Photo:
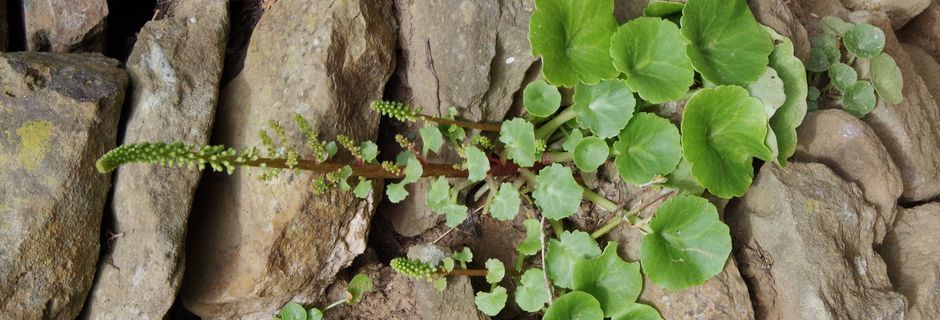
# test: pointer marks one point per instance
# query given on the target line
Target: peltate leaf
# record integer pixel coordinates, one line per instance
(477, 164)
(887, 78)
(688, 245)
(293, 311)
(506, 204)
(864, 40)
(651, 54)
(491, 303)
(769, 90)
(431, 138)
(531, 244)
(532, 294)
(358, 286)
(728, 46)
(556, 193)
(574, 305)
(649, 146)
(495, 271)
(604, 108)
(591, 153)
(789, 116)
(615, 283)
(722, 128)
(859, 99)
(564, 253)
(573, 39)
(842, 76)
(541, 99)
(663, 9)
(519, 137)
(639, 311)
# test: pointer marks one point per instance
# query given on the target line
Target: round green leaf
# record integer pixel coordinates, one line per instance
(722, 128)
(540, 98)
(556, 193)
(829, 45)
(491, 303)
(647, 147)
(438, 194)
(293, 311)
(574, 138)
(564, 252)
(532, 294)
(818, 61)
(834, 26)
(455, 214)
(727, 46)
(362, 189)
(769, 90)
(464, 255)
(842, 76)
(651, 54)
(495, 271)
(314, 314)
(663, 9)
(604, 108)
(477, 164)
(591, 153)
(519, 137)
(431, 138)
(864, 40)
(639, 311)
(887, 78)
(613, 282)
(506, 204)
(573, 39)
(369, 151)
(531, 244)
(575, 305)
(688, 245)
(358, 286)
(859, 99)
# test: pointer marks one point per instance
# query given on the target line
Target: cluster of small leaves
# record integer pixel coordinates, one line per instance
(859, 72)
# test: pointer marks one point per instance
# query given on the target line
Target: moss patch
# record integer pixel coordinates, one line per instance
(34, 142)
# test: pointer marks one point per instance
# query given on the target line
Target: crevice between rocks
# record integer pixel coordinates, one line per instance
(16, 26)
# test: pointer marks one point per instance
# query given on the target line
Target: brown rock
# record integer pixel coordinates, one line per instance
(471, 55)
(908, 130)
(805, 245)
(262, 244)
(899, 11)
(924, 30)
(65, 25)
(779, 16)
(927, 68)
(848, 146)
(910, 250)
(175, 69)
(58, 114)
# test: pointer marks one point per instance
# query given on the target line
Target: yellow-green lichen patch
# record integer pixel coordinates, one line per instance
(34, 142)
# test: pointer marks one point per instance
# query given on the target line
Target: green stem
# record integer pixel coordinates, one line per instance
(621, 215)
(547, 129)
(334, 305)
(556, 227)
(553, 157)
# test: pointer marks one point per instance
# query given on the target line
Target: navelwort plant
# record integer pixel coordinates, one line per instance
(682, 99)
(851, 57)
(358, 286)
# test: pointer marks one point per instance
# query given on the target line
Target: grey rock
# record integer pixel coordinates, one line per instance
(65, 25)
(455, 302)
(924, 30)
(848, 146)
(899, 11)
(805, 240)
(262, 244)
(175, 69)
(471, 55)
(910, 250)
(58, 114)
(908, 130)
